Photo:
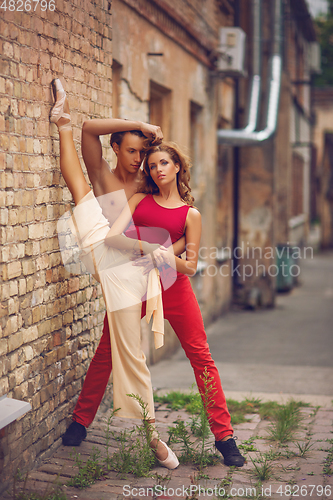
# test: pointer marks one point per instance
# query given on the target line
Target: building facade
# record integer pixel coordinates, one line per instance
(164, 56)
(273, 187)
(147, 60)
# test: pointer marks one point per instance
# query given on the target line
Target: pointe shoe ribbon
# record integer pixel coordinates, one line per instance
(57, 111)
(171, 461)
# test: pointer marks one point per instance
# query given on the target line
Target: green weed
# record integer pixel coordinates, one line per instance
(89, 472)
(303, 447)
(182, 433)
(191, 402)
(134, 454)
(53, 495)
(327, 469)
(177, 400)
(247, 445)
(263, 467)
(286, 421)
(108, 435)
(52, 492)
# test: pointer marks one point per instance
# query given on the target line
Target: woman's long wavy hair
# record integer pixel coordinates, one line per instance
(147, 185)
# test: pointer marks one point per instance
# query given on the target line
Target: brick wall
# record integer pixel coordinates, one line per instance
(50, 321)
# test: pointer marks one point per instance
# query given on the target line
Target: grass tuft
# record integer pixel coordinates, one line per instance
(263, 467)
(89, 472)
(327, 469)
(52, 492)
(286, 421)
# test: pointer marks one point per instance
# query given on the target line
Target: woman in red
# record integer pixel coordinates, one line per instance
(165, 203)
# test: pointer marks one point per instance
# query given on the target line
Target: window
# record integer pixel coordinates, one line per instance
(196, 144)
(116, 77)
(297, 184)
(159, 108)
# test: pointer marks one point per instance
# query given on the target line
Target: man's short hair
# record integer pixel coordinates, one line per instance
(117, 137)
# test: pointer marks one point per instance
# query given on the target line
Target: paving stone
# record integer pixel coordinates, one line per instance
(217, 472)
(91, 494)
(46, 478)
(66, 470)
(321, 435)
(316, 456)
(243, 434)
(247, 426)
(63, 463)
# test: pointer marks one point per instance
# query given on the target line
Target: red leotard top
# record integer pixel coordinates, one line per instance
(157, 224)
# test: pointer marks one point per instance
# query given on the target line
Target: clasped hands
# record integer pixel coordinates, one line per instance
(155, 255)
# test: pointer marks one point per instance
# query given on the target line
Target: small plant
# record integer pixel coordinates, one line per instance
(52, 492)
(207, 396)
(89, 472)
(160, 482)
(286, 421)
(247, 445)
(327, 469)
(53, 495)
(224, 487)
(191, 452)
(263, 467)
(177, 400)
(108, 435)
(135, 456)
(303, 447)
(181, 434)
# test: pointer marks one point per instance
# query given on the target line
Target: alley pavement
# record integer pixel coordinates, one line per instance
(275, 354)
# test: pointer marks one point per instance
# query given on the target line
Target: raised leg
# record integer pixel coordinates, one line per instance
(69, 161)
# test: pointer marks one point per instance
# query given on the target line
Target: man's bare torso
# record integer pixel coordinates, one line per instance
(113, 194)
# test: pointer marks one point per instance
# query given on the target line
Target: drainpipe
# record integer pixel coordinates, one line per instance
(256, 70)
(247, 136)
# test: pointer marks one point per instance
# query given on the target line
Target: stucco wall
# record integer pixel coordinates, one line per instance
(188, 80)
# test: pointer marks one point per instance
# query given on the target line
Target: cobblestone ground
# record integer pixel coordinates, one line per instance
(293, 477)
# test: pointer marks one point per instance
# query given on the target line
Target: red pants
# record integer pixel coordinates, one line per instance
(182, 311)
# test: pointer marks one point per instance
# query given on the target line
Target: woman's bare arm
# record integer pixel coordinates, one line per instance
(192, 237)
(179, 246)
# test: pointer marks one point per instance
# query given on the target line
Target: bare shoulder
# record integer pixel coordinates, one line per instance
(193, 219)
(136, 198)
(194, 214)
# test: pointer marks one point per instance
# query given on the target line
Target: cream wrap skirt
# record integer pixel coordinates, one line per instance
(124, 286)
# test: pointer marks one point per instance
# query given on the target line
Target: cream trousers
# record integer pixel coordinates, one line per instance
(124, 286)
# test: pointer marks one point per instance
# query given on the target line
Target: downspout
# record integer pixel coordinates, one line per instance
(247, 136)
(256, 70)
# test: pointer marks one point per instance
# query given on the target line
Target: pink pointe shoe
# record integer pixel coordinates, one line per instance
(171, 461)
(57, 111)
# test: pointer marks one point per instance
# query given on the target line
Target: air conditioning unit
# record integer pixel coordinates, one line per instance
(231, 52)
(314, 57)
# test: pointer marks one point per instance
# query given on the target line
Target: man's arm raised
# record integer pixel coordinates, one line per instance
(92, 147)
